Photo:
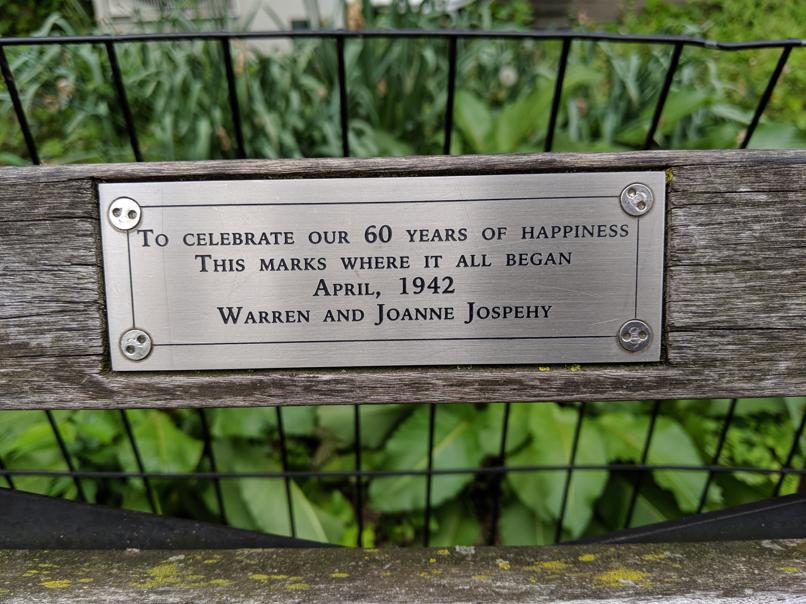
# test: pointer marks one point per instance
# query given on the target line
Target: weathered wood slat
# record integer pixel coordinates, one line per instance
(766, 571)
(735, 291)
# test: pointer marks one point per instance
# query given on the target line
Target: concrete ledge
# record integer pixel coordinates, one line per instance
(694, 572)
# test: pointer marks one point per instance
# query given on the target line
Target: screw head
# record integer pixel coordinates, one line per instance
(634, 335)
(125, 213)
(135, 344)
(637, 199)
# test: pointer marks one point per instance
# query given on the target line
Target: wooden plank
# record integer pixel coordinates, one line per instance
(765, 571)
(735, 291)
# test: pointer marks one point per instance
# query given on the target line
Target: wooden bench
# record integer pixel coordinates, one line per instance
(734, 326)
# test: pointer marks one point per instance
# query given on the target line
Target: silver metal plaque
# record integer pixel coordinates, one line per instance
(458, 270)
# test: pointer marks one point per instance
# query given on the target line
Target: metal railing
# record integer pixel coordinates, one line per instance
(678, 43)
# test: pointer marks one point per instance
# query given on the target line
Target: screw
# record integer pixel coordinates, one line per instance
(636, 199)
(135, 344)
(634, 335)
(125, 213)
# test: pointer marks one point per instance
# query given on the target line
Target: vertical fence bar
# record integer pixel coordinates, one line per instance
(432, 416)
(723, 433)
(123, 100)
(19, 110)
(558, 531)
(6, 476)
(359, 481)
(235, 110)
(558, 93)
(499, 478)
(766, 96)
(793, 450)
(343, 110)
(208, 452)
(65, 454)
(138, 459)
(639, 478)
(664, 94)
(286, 477)
(446, 146)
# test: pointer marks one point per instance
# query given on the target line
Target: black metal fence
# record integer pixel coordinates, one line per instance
(359, 475)
(497, 469)
(677, 43)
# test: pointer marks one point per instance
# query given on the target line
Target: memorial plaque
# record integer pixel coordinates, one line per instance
(449, 270)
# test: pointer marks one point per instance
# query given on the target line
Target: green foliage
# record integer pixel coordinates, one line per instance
(394, 437)
(397, 93)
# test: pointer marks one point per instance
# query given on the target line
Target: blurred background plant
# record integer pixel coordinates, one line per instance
(397, 95)
(397, 88)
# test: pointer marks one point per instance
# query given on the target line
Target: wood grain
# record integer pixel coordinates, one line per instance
(735, 302)
(743, 571)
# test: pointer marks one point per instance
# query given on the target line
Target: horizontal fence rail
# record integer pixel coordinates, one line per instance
(677, 43)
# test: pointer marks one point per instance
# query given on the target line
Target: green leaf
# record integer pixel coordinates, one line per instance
(552, 430)
(457, 525)
(376, 421)
(473, 118)
(770, 135)
(455, 446)
(520, 526)
(265, 498)
(680, 104)
(671, 445)
(522, 118)
(163, 447)
(243, 422)
(489, 425)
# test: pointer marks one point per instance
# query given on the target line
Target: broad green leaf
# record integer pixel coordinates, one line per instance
(457, 525)
(490, 423)
(671, 445)
(455, 446)
(299, 420)
(552, 430)
(680, 104)
(163, 447)
(376, 421)
(265, 498)
(242, 422)
(522, 118)
(770, 135)
(474, 120)
(520, 526)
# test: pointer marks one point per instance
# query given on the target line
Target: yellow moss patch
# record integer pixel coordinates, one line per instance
(259, 577)
(86, 580)
(30, 573)
(221, 582)
(432, 560)
(386, 573)
(622, 577)
(298, 586)
(547, 565)
(575, 368)
(543, 368)
(443, 552)
(790, 569)
(339, 575)
(586, 557)
(211, 561)
(503, 565)
(654, 557)
(483, 578)
(162, 574)
(62, 583)
(46, 565)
